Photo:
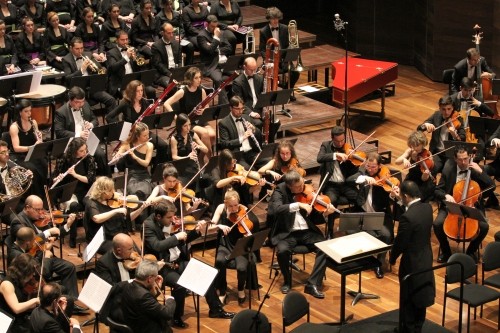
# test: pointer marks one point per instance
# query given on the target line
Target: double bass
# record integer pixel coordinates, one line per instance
(484, 84)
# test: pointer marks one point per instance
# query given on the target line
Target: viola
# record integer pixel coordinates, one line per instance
(293, 164)
(190, 223)
(252, 177)
(424, 159)
(135, 259)
(307, 196)
(356, 157)
(38, 245)
(241, 217)
(188, 195)
(58, 218)
(131, 201)
(31, 286)
(385, 180)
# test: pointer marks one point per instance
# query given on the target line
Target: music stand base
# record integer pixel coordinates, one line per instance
(339, 323)
(285, 112)
(359, 296)
(88, 322)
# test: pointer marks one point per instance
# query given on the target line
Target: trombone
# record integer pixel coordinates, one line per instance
(93, 66)
(293, 39)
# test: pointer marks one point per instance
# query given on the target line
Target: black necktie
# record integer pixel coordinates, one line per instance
(275, 29)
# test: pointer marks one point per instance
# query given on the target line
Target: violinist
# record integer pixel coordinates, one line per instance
(78, 165)
(377, 190)
(454, 171)
(492, 168)
(25, 243)
(160, 242)
(51, 316)
(420, 173)
(110, 266)
(444, 124)
(295, 224)
(17, 292)
(285, 159)
(333, 158)
(225, 216)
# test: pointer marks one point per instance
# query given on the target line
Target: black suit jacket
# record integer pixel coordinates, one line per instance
(380, 198)
(116, 69)
(160, 57)
(209, 50)
(107, 268)
(325, 157)
(483, 109)
(64, 124)
(241, 87)
(413, 241)
(228, 134)
(436, 119)
(71, 70)
(265, 34)
(44, 322)
(460, 71)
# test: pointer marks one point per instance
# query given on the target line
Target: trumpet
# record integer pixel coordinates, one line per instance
(93, 66)
(139, 60)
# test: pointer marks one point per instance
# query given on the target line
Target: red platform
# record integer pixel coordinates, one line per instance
(363, 77)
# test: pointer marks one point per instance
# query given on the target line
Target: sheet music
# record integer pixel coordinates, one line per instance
(125, 131)
(30, 152)
(94, 245)
(94, 292)
(190, 278)
(5, 322)
(92, 143)
(35, 81)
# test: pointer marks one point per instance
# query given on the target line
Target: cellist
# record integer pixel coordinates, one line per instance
(454, 171)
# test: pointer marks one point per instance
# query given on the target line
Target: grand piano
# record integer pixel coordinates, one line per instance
(363, 77)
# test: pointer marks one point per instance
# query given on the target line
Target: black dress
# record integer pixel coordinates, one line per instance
(39, 18)
(21, 322)
(11, 20)
(107, 34)
(90, 39)
(115, 225)
(189, 101)
(190, 166)
(139, 178)
(56, 46)
(64, 9)
(8, 54)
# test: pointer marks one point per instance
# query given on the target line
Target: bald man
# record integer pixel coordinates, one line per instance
(110, 267)
(165, 55)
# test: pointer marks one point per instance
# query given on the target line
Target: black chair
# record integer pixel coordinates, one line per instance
(474, 295)
(118, 327)
(295, 306)
(491, 261)
(247, 321)
(447, 78)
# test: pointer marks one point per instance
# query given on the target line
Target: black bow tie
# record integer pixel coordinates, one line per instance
(79, 58)
(249, 77)
(239, 119)
(124, 49)
(169, 43)
(3, 169)
(275, 29)
(462, 171)
(465, 99)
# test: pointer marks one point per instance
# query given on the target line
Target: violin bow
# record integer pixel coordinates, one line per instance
(253, 164)
(249, 233)
(357, 147)
(319, 189)
(40, 279)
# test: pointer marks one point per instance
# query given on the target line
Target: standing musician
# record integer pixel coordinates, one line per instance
(24, 133)
(76, 164)
(333, 159)
(295, 224)
(50, 316)
(454, 171)
(451, 127)
(143, 30)
(131, 107)
(75, 119)
(225, 217)
(248, 85)
(18, 290)
(278, 31)
(194, 19)
(376, 190)
(161, 241)
(467, 67)
(420, 173)
(189, 96)
(165, 54)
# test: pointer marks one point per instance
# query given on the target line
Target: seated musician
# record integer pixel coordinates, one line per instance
(36, 12)
(75, 164)
(285, 158)
(228, 13)
(467, 67)
(493, 168)
(88, 31)
(188, 97)
(376, 191)
(48, 317)
(9, 14)
(225, 217)
(79, 63)
(186, 145)
(166, 54)
(444, 124)
(110, 266)
(131, 107)
(75, 119)
(18, 292)
(193, 17)
(30, 46)
(8, 52)
(295, 224)
(454, 173)
(24, 133)
(122, 60)
(56, 41)
(112, 25)
(127, 10)
(248, 85)
(143, 30)
(278, 31)
(30, 216)
(464, 99)
(237, 132)
(333, 158)
(65, 10)
(420, 173)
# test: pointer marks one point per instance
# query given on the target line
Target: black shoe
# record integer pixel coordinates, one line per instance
(312, 289)
(242, 300)
(72, 243)
(179, 323)
(285, 289)
(220, 313)
(379, 273)
(77, 310)
(443, 257)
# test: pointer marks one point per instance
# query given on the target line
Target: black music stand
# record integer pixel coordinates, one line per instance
(108, 133)
(59, 195)
(179, 72)
(235, 62)
(91, 84)
(247, 246)
(288, 56)
(495, 88)
(464, 212)
(483, 126)
(450, 153)
(119, 181)
(48, 149)
(159, 121)
(273, 98)
(147, 78)
(268, 151)
(11, 86)
(7, 207)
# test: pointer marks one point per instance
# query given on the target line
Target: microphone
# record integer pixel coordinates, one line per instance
(339, 24)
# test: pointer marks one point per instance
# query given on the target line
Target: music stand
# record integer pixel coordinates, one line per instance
(59, 195)
(246, 246)
(235, 62)
(15, 85)
(450, 153)
(7, 207)
(215, 112)
(483, 126)
(495, 89)
(464, 212)
(268, 150)
(147, 78)
(273, 98)
(160, 120)
(108, 133)
(91, 84)
(46, 150)
(119, 181)
(288, 56)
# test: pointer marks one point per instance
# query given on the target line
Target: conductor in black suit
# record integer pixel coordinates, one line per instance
(249, 85)
(74, 66)
(166, 54)
(279, 32)
(413, 241)
(467, 67)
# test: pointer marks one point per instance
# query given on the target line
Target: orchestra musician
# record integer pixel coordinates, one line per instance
(110, 266)
(248, 85)
(372, 197)
(167, 245)
(454, 171)
(56, 40)
(225, 216)
(228, 13)
(143, 30)
(112, 25)
(188, 97)
(30, 48)
(36, 12)
(466, 95)
(92, 4)
(165, 53)
(65, 11)
(18, 290)
(295, 224)
(467, 67)
(80, 166)
(420, 174)
(333, 159)
(9, 14)
(127, 10)
(8, 52)
(285, 158)
(452, 128)
(493, 168)
(25, 243)
(24, 133)
(194, 17)
(88, 31)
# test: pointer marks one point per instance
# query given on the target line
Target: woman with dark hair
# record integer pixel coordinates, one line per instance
(131, 107)
(111, 26)
(80, 166)
(17, 292)
(194, 17)
(8, 52)
(8, 13)
(285, 158)
(65, 10)
(186, 144)
(36, 11)
(143, 31)
(88, 31)
(29, 44)
(92, 4)
(56, 41)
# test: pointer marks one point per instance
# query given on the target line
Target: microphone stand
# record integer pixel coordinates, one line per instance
(256, 318)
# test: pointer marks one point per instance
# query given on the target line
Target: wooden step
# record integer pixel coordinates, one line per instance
(253, 15)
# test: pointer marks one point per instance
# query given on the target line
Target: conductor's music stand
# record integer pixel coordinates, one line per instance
(46, 150)
(463, 212)
(247, 246)
(288, 56)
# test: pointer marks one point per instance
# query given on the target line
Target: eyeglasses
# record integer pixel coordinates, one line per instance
(37, 209)
(6, 152)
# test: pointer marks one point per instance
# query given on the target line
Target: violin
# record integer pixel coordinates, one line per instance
(57, 216)
(426, 162)
(31, 286)
(131, 201)
(356, 157)
(135, 259)
(190, 223)
(38, 245)
(241, 217)
(307, 196)
(188, 195)
(293, 164)
(385, 180)
(252, 177)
